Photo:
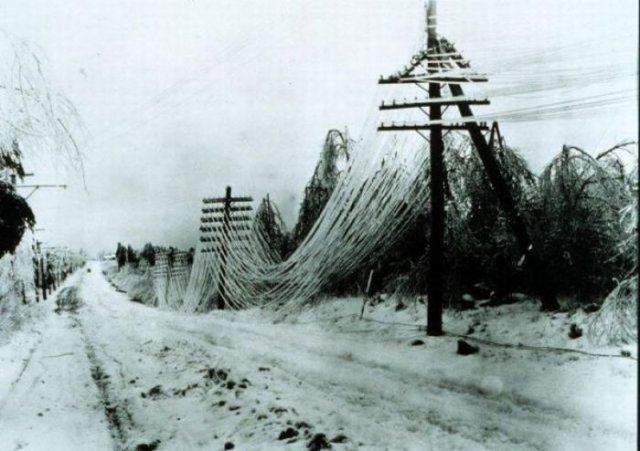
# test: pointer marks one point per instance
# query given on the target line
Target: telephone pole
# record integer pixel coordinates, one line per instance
(223, 237)
(435, 286)
(440, 65)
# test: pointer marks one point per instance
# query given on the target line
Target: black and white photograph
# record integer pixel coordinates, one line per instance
(319, 225)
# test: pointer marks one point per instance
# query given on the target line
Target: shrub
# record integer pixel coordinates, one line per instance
(577, 216)
(148, 253)
(15, 217)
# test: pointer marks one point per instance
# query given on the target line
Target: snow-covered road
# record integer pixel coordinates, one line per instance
(118, 374)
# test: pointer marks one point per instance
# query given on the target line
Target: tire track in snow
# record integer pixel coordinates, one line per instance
(23, 369)
(52, 404)
(118, 417)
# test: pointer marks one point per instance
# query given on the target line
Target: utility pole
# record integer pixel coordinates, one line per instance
(224, 249)
(438, 65)
(224, 235)
(36, 268)
(435, 286)
(41, 275)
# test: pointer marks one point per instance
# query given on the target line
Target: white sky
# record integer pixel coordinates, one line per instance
(182, 97)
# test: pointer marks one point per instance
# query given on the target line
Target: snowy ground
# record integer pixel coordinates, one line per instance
(118, 374)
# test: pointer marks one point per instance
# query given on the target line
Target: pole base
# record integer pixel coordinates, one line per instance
(434, 331)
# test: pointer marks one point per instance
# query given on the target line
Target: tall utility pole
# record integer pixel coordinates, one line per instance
(435, 279)
(435, 287)
(438, 65)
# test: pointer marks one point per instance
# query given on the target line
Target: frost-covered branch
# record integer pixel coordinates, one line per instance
(32, 112)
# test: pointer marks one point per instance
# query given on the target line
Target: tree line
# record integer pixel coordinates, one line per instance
(127, 255)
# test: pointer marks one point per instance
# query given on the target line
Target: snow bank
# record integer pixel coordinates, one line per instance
(520, 324)
(136, 282)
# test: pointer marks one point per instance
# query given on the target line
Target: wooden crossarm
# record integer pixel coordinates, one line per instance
(435, 78)
(438, 101)
(215, 239)
(232, 208)
(212, 200)
(415, 127)
(206, 219)
(238, 228)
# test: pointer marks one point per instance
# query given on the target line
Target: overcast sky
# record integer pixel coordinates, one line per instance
(182, 97)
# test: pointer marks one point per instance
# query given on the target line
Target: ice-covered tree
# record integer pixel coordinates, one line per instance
(35, 120)
(335, 154)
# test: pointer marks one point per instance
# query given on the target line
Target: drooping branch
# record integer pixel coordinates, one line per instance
(33, 114)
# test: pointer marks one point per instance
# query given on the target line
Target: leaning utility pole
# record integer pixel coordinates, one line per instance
(438, 65)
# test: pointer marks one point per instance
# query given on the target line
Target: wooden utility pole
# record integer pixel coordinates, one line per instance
(36, 268)
(224, 249)
(435, 286)
(438, 65)
(41, 276)
(224, 235)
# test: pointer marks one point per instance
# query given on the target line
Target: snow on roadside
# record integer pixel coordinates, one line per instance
(324, 371)
(259, 379)
(595, 390)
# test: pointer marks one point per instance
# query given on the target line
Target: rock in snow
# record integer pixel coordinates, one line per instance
(465, 348)
(575, 331)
